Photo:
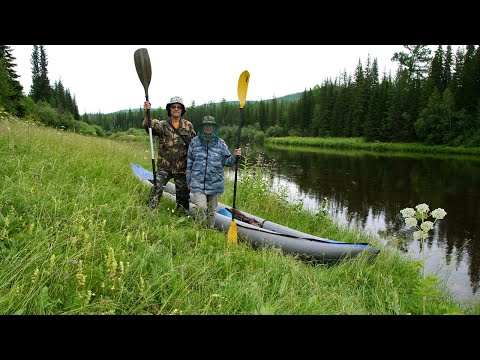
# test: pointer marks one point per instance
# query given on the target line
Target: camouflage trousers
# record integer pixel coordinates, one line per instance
(182, 195)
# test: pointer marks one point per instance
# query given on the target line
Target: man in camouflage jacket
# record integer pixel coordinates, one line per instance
(175, 134)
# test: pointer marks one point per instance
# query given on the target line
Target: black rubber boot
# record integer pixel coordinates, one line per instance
(183, 206)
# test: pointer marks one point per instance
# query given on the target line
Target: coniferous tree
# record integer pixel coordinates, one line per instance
(373, 120)
(340, 108)
(447, 67)
(386, 99)
(58, 99)
(466, 93)
(290, 119)
(476, 79)
(358, 111)
(6, 90)
(281, 116)
(262, 115)
(323, 108)
(273, 113)
(40, 90)
(305, 111)
(15, 89)
(45, 88)
(35, 62)
(436, 75)
(69, 106)
(372, 97)
(416, 61)
(76, 113)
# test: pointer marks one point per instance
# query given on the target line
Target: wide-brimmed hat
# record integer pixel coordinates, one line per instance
(176, 100)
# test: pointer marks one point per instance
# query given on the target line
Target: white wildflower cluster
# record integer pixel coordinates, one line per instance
(418, 218)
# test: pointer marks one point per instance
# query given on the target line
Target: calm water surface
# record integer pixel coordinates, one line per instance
(368, 190)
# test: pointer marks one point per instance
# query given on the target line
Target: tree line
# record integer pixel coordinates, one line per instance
(431, 98)
(53, 105)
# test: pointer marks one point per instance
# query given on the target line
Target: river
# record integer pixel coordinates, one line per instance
(367, 190)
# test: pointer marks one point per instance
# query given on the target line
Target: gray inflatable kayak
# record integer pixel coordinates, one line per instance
(259, 232)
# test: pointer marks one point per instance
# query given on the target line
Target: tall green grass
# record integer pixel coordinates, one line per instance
(76, 237)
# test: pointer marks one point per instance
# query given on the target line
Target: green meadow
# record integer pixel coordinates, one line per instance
(76, 238)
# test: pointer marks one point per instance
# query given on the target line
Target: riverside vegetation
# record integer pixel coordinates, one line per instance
(76, 237)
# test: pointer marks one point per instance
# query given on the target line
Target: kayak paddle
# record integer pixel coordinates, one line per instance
(144, 72)
(242, 95)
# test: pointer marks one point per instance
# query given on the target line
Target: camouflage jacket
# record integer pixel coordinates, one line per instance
(172, 150)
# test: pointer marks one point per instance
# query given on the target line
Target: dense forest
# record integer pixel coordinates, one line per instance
(433, 98)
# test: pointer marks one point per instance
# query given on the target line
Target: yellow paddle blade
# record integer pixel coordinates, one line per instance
(242, 87)
(232, 233)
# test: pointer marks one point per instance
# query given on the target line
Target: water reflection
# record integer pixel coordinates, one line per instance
(368, 190)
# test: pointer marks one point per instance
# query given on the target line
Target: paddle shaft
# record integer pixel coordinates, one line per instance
(150, 134)
(238, 159)
(242, 96)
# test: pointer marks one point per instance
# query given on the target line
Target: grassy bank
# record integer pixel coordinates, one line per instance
(361, 144)
(76, 237)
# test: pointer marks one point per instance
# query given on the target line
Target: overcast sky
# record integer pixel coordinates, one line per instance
(103, 78)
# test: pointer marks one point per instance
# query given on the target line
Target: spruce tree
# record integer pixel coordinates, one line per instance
(15, 92)
(40, 90)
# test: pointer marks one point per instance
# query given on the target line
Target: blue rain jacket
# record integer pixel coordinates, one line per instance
(205, 162)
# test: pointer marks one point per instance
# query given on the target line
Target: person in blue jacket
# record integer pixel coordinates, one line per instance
(207, 155)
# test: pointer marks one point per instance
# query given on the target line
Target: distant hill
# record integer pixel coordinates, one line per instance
(291, 97)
